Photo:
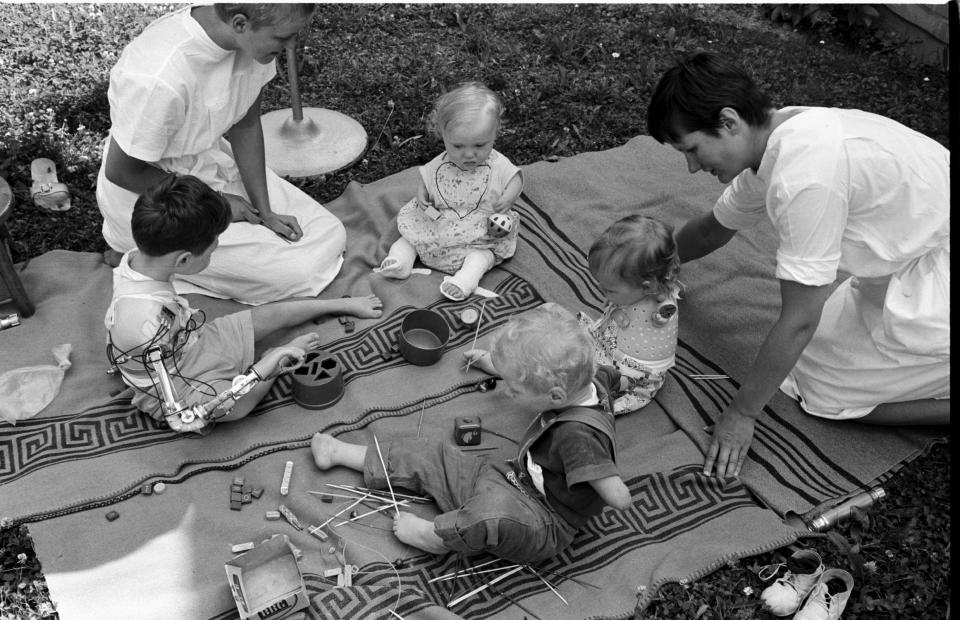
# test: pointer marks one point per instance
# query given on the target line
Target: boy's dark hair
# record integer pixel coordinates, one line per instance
(178, 213)
(690, 95)
(261, 15)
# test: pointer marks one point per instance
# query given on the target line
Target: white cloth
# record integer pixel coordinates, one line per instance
(173, 94)
(856, 192)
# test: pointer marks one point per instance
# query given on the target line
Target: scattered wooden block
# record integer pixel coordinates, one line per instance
(113, 515)
(236, 506)
(147, 489)
(272, 515)
(256, 492)
(240, 548)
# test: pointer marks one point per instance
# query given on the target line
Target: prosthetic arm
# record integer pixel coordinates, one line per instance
(180, 416)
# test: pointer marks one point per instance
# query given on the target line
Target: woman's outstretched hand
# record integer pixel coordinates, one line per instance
(241, 210)
(284, 225)
(732, 436)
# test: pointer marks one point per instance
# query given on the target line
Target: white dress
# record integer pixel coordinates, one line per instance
(173, 94)
(854, 192)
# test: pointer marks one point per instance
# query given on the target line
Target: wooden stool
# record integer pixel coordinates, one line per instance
(8, 273)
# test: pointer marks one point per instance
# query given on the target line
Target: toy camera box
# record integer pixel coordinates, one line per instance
(266, 581)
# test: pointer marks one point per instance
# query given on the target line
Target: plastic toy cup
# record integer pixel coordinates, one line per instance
(423, 336)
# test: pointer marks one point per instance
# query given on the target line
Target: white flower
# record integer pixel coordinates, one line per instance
(926, 79)
(822, 42)
(615, 54)
(32, 91)
(747, 591)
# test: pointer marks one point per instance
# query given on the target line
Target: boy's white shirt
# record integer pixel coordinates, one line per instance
(534, 470)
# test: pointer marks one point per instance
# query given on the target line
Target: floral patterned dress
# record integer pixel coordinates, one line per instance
(463, 201)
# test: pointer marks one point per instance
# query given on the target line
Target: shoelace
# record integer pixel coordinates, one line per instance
(770, 571)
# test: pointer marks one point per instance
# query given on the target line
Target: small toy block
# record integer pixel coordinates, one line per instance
(332, 572)
(348, 575)
(159, 488)
(236, 496)
(239, 481)
(272, 515)
(285, 483)
(349, 327)
(147, 489)
(246, 498)
(113, 515)
(246, 489)
(343, 319)
(256, 492)
(289, 516)
(326, 499)
(318, 532)
(240, 548)
(236, 506)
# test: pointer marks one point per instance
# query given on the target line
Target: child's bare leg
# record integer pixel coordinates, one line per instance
(289, 313)
(328, 451)
(418, 533)
(399, 261)
(462, 284)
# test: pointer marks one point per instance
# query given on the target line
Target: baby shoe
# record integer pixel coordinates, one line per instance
(785, 595)
(828, 597)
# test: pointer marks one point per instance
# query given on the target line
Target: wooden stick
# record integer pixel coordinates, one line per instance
(477, 333)
(514, 601)
(463, 570)
(333, 494)
(549, 585)
(396, 614)
(375, 492)
(402, 502)
(573, 579)
(386, 475)
(420, 423)
(343, 510)
(485, 586)
(471, 573)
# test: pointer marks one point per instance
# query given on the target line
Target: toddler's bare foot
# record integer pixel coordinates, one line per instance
(369, 307)
(418, 533)
(392, 267)
(324, 449)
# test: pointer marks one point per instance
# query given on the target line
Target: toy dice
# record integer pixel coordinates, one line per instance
(499, 225)
(467, 431)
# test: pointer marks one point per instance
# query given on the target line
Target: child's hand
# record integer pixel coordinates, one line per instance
(286, 226)
(279, 360)
(480, 358)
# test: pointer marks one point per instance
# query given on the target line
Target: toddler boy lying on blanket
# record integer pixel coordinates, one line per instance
(528, 509)
(175, 225)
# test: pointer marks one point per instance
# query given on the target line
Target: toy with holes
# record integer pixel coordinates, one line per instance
(467, 431)
(318, 382)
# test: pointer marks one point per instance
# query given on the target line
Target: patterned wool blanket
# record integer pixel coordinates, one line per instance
(89, 453)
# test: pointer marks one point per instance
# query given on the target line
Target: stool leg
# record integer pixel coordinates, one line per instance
(11, 279)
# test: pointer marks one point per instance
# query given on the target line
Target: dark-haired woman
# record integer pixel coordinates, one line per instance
(185, 99)
(847, 192)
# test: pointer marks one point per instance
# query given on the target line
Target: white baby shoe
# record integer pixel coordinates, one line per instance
(828, 597)
(785, 595)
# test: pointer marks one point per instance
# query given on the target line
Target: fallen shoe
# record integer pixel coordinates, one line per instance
(785, 595)
(828, 597)
(47, 191)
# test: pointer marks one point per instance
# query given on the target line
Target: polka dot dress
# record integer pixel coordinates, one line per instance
(639, 344)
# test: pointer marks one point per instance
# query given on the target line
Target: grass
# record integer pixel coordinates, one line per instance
(574, 78)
